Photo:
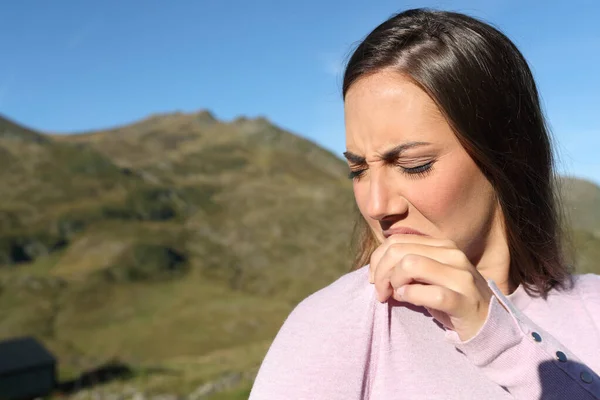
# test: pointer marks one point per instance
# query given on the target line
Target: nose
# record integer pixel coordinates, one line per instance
(385, 199)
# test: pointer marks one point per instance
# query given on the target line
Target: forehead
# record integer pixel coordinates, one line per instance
(387, 108)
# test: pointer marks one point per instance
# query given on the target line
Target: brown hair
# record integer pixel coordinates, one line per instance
(485, 89)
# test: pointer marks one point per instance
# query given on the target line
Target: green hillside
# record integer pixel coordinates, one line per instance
(582, 199)
(166, 244)
(178, 244)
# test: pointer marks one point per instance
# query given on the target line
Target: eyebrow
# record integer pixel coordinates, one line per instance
(389, 156)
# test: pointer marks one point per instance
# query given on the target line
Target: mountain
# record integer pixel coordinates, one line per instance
(166, 241)
(258, 197)
(43, 184)
(177, 245)
(582, 209)
(582, 199)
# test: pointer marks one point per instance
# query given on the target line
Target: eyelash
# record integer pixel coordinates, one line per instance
(416, 172)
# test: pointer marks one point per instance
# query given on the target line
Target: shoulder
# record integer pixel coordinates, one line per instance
(344, 306)
(588, 286)
(580, 287)
(583, 290)
(352, 284)
(347, 295)
(321, 341)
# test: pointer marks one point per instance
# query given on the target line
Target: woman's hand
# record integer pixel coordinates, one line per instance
(435, 274)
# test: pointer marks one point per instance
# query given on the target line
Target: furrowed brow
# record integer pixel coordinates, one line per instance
(392, 154)
(354, 158)
(388, 156)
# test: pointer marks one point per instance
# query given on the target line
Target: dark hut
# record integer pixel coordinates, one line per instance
(27, 369)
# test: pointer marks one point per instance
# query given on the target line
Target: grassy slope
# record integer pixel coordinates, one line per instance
(246, 207)
(582, 199)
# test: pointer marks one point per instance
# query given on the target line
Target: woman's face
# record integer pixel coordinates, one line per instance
(411, 175)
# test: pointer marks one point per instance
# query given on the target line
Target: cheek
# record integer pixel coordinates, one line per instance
(435, 198)
(454, 195)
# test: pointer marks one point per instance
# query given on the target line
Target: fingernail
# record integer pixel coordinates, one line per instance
(400, 291)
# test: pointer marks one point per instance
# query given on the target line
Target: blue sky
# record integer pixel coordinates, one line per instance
(77, 65)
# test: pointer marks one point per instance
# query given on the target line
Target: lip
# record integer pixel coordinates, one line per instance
(402, 231)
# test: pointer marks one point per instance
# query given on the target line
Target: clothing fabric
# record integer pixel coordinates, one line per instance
(342, 343)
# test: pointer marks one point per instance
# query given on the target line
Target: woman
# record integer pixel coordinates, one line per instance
(466, 294)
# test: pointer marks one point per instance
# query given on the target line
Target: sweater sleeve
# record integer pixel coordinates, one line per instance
(524, 359)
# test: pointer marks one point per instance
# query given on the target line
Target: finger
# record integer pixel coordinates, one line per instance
(395, 253)
(453, 257)
(374, 261)
(418, 268)
(428, 240)
(383, 271)
(398, 239)
(434, 297)
(383, 289)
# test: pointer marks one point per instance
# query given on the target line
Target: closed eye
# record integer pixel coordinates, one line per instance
(418, 170)
(356, 174)
(415, 172)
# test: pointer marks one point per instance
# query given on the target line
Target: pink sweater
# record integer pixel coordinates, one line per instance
(341, 343)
